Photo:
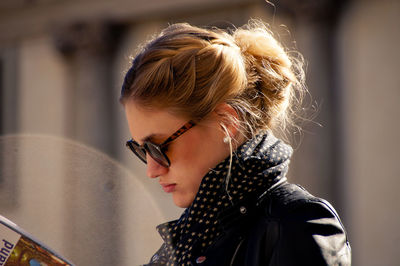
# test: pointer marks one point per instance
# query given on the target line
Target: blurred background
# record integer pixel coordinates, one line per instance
(67, 177)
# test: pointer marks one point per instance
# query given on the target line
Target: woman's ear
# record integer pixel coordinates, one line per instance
(228, 117)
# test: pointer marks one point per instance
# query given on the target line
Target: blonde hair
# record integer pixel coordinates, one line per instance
(189, 71)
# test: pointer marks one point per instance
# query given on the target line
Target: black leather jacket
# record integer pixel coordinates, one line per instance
(286, 226)
(259, 219)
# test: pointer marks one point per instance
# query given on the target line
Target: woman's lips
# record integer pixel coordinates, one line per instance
(168, 188)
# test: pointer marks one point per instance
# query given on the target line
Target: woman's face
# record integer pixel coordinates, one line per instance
(191, 155)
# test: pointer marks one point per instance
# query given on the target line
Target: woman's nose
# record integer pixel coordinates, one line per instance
(154, 169)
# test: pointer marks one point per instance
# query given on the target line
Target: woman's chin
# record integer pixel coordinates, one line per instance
(181, 201)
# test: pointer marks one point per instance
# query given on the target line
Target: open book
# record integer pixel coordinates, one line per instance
(19, 248)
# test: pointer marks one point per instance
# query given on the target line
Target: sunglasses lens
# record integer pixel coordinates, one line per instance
(158, 156)
(136, 149)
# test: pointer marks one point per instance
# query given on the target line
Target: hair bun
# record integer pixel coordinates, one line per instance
(272, 75)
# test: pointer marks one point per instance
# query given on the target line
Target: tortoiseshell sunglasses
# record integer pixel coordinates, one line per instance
(157, 151)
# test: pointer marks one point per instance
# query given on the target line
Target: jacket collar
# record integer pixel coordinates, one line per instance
(257, 165)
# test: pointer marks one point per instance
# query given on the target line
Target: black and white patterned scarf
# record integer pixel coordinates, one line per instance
(257, 165)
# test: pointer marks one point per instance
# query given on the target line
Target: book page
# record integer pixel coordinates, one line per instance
(18, 248)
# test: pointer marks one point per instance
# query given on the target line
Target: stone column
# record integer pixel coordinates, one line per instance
(8, 124)
(92, 229)
(317, 162)
(89, 47)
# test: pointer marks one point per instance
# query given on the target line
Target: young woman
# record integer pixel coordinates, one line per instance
(201, 105)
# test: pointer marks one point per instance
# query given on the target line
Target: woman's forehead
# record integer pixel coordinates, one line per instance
(144, 122)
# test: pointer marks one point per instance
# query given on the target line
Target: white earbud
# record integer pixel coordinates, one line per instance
(226, 139)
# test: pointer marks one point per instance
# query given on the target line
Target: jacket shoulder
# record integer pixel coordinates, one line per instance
(287, 199)
(308, 232)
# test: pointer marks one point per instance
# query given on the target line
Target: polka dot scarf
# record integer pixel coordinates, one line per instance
(257, 165)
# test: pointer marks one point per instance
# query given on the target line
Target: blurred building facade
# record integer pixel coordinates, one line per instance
(62, 64)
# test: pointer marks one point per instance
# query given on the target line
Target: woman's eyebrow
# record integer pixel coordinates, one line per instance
(147, 138)
(152, 137)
